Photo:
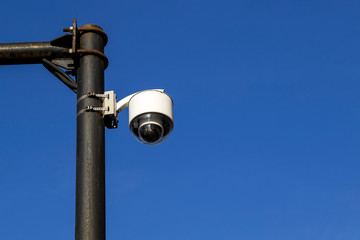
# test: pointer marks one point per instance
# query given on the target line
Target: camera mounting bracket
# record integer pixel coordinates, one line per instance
(110, 107)
(124, 103)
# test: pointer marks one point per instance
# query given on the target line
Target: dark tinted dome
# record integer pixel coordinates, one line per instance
(151, 132)
(149, 126)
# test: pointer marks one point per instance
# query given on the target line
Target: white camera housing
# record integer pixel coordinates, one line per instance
(151, 116)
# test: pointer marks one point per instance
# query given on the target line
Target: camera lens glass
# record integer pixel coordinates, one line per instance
(151, 132)
(151, 128)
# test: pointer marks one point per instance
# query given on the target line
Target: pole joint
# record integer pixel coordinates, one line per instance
(76, 32)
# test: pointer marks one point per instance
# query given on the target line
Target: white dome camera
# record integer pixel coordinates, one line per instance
(150, 115)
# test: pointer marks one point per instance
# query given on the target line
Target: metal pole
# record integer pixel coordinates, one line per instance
(90, 156)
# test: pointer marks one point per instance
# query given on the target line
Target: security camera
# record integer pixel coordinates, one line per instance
(150, 114)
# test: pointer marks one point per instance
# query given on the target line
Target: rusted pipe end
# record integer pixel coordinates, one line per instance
(91, 25)
(93, 28)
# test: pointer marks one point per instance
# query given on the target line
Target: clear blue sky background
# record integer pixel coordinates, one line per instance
(266, 138)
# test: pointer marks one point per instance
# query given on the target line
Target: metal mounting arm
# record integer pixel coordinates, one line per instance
(124, 103)
(31, 52)
(59, 52)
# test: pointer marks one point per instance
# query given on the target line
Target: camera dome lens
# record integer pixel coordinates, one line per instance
(151, 132)
(151, 128)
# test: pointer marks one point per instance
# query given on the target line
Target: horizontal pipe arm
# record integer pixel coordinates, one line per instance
(30, 52)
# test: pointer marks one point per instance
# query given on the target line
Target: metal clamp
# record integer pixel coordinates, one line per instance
(91, 109)
(108, 108)
(92, 94)
(75, 31)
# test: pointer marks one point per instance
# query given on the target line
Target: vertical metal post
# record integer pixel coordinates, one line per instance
(90, 155)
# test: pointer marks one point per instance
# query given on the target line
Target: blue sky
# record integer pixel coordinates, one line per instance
(266, 137)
